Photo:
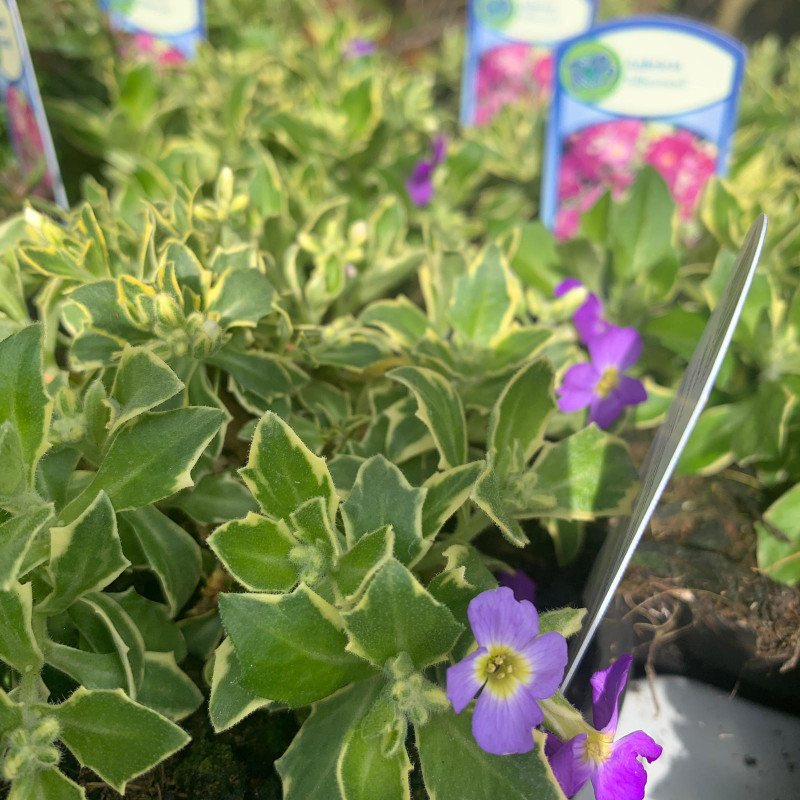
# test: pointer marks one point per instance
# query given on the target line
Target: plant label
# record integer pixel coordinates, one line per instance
(655, 91)
(509, 52)
(27, 123)
(167, 32)
(668, 444)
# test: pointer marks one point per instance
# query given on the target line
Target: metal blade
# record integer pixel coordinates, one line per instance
(664, 452)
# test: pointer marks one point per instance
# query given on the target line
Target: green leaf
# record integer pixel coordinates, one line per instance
(142, 382)
(454, 767)
(241, 297)
(13, 470)
(291, 647)
(311, 524)
(362, 560)
(308, 768)
(778, 549)
(485, 299)
(230, 702)
(100, 303)
(396, 614)
(92, 670)
(150, 459)
(519, 419)
(167, 689)
(439, 407)
(114, 736)
(46, 784)
(566, 621)
(364, 773)
(399, 318)
(255, 550)
(486, 495)
(16, 537)
(447, 492)
(23, 400)
(159, 633)
(85, 556)
(10, 714)
(710, 445)
(168, 550)
(587, 475)
(265, 375)
(18, 646)
(216, 498)
(53, 473)
(382, 496)
(282, 473)
(536, 260)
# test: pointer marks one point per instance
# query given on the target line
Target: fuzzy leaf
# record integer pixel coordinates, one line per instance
(399, 318)
(454, 767)
(92, 670)
(241, 297)
(159, 633)
(382, 496)
(46, 784)
(447, 492)
(519, 419)
(396, 614)
(363, 559)
(16, 537)
(282, 473)
(23, 400)
(142, 382)
(114, 736)
(18, 646)
(587, 475)
(363, 768)
(216, 498)
(166, 548)
(488, 498)
(230, 702)
(311, 524)
(291, 647)
(85, 556)
(308, 768)
(150, 459)
(166, 688)
(439, 407)
(10, 714)
(566, 621)
(255, 550)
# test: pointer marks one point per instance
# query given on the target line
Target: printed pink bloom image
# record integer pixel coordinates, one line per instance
(145, 46)
(511, 74)
(25, 134)
(608, 156)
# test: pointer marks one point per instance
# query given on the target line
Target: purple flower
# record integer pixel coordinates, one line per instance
(358, 48)
(420, 184)
(601, 384)
(513, 666)
(588, 319)
(519, 583)
(613, 767)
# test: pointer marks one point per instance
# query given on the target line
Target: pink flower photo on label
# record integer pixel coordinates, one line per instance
(26, 136)
(515, 73)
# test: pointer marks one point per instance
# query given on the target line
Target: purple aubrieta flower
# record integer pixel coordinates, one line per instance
(512, 668)
(420, 183)
(588, 319)
(519, 583)
(358, 48)
(601, 385)
(613, 767)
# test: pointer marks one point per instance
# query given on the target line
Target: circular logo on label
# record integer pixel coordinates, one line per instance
(494, 13)
(10, 55)
(590, 71)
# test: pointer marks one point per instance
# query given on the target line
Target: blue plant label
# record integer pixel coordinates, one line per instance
(166, 30)
(509, 53)
(645, 90)
(27, 123)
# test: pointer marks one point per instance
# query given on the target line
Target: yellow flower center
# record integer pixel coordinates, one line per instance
(598, 746)
(502, 670)
(609, 381)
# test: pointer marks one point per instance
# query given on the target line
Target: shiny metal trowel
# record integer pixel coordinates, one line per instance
(664, 452)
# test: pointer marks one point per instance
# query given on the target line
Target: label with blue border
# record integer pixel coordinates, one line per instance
(658, 91)
(27, 123)
(166, 30)
(509, 52)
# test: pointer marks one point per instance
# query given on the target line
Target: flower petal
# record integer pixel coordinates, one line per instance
(604, 410)
(548, 659)
(420, 184)
(567, 285)
(504, 725)
(607, 686)
(630, 391)
(497, 618)
(618, 347)
(588, 319)
(574, 401)
(463, 682)
(623, 777)
(580, 377)
(569, 763)
(519, 583)
(439, 150)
